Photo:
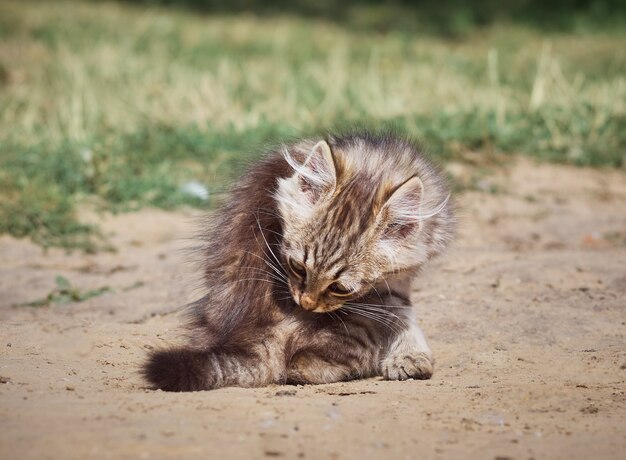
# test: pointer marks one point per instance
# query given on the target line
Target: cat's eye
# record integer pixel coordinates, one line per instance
(297, 268)
(339, 290)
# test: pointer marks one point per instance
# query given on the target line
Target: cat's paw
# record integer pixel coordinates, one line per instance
(417, 365)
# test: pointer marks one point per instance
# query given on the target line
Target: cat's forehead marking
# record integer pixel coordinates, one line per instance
(335, 235)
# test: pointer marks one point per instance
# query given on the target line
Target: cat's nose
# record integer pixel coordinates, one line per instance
(308, 302)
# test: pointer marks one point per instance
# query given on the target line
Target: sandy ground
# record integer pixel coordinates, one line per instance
(526, 316)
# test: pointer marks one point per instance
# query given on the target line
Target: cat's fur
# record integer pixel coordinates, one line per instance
(360, 211)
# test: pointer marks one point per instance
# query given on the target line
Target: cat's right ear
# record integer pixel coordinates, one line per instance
(317, 175)
(403, 208)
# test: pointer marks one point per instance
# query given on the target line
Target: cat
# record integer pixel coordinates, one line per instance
(308, 269)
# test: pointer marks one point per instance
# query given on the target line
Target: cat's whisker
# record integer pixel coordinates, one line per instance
(360, 308)
(277, 273)
(268, 230)
(407, 307)
(375, 290)
(382, 311)
(257, 256)
(250, 267)
(379, 311)
(272, 231)
(269, 264)
(270, 274)
(381, 305)
(266, 243)
(377, 318)
(277, 270)
(269, 212)
(387, 284)
(258, 222)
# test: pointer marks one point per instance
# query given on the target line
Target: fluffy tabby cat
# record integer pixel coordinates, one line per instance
(308, 270)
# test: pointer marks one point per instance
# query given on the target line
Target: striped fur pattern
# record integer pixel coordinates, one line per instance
(308, 269)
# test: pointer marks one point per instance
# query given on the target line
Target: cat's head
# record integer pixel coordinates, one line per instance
(353, 218)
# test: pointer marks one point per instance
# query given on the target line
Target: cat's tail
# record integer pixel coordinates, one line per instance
(179, 369)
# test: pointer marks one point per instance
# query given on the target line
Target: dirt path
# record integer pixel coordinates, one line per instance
(527, 318)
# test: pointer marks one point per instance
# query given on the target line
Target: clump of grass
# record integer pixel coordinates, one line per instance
(65, 293)
(115, 106)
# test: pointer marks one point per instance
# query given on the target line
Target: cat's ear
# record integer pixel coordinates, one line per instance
(316, 176)
(402, 211)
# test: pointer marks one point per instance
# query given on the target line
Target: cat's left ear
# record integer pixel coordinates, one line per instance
(403, 209)
(317, 175)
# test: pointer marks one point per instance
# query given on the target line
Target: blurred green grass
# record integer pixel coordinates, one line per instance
(114, 106)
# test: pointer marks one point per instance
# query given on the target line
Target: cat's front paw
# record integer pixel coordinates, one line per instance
(403, 366)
